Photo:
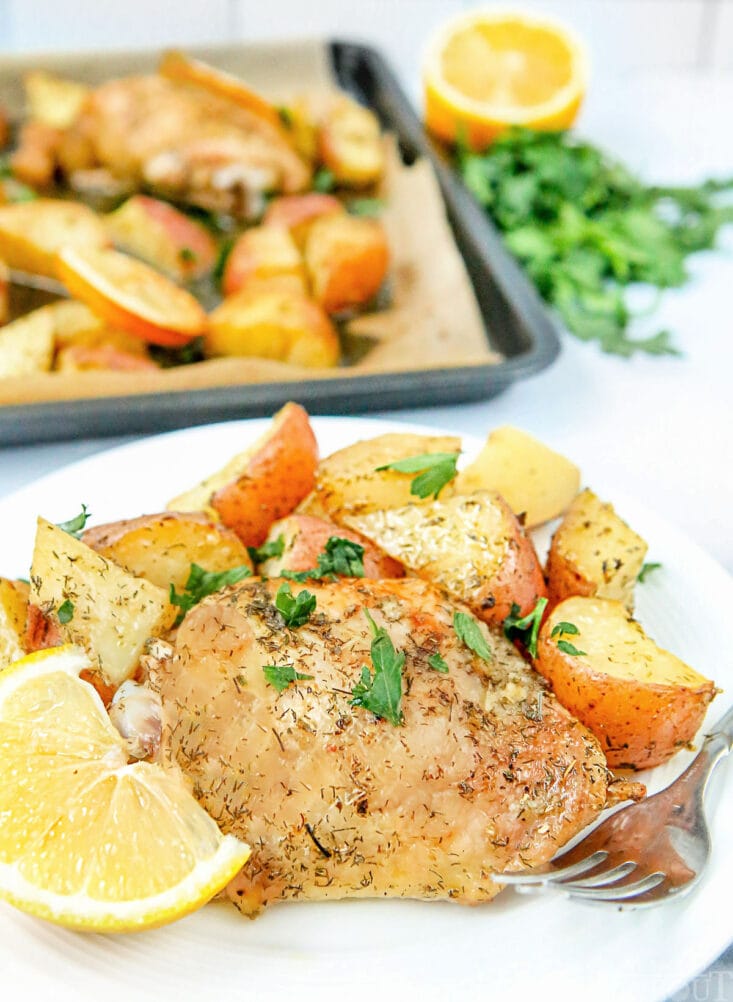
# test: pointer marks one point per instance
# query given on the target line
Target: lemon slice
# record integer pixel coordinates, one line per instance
(87, 840)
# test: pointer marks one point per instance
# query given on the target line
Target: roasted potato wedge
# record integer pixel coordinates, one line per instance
(262, 252)
(13, 614)
(53, 100)
(164, 237)
(350, 143)
(474, 547)
(273, 323)
(32, 233)
(26, 345)
(532, 478)
(162, 547)
(262, 484)
(304, 538)
(346, 258)
(349, 482)
(74, 325)
(640, 701)
(106, 610)
(297, 213)
(594, 552)
(103, 357)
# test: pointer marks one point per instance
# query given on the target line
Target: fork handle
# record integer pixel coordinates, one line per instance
(717, 744)
(721, 736)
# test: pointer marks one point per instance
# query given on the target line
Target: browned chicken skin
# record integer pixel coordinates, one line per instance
(483, 775)
(181, 140)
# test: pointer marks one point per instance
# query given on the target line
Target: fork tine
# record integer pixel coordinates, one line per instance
(552, 876)
(605, 878)
(623, 892)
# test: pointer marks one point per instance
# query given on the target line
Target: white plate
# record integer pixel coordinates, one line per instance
(513, 948)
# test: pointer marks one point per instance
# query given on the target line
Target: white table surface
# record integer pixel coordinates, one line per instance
(655, 428)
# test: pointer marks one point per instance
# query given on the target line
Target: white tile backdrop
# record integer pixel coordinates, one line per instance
(624, 35)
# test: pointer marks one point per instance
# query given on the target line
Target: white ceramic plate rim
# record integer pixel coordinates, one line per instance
(511, 948)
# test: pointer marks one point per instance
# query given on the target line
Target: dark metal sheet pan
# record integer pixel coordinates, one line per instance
(516, 322)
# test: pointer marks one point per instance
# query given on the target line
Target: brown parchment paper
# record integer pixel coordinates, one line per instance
(433, 320)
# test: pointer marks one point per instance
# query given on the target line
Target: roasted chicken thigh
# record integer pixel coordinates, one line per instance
(486, 772)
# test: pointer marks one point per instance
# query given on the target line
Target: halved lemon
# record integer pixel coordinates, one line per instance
(87, 840)
(488, 70)
(131, 296)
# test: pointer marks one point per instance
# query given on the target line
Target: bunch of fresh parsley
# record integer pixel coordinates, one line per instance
(585, 228)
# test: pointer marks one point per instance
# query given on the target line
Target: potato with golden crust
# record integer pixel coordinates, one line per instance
(34, 159)
(273, 323)
(642, 703)
(350, 143)
(532, 478)
(346, 258)
(75, 325)
(32, 233)
(164, 237)
(53, 100)
(262, 252)
(13, 614)
(162, 547)
(101, 358)
(262, 484)
(297, 213)
(92, 602)
(349, 481)
(473, 547)
(26, 345)
(594, 552)
(304, 537)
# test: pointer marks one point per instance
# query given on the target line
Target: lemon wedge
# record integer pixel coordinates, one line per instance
(88, 840)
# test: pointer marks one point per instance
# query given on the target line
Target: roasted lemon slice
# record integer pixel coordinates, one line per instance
(87, 840)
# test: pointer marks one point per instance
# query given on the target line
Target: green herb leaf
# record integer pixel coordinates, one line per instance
(339, 558)
(646, 570)
(436, 469)
(469, 632)
(286, 116)
(66, 612)
(525, 628)
(281, 676)
(222, 256)
(570, 628)
(323, 180)
(567, 648)
(371, 207)
(260, 554)
(294, 609)
(586, 229)
(438, 663)
(381, 692)
(201, 583)
(75, 526)
(187, 255)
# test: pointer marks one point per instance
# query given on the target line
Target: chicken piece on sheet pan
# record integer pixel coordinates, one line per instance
(182, 141)
(487, 772)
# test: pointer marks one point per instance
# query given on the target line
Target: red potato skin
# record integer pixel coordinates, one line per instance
(518, 581)
(105, 357)
(297, 213)
(309, 536)
(279, 476)
(41, 631)
(184, 232)
(639, 725)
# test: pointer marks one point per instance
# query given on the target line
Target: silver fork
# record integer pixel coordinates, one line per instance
(644, 853)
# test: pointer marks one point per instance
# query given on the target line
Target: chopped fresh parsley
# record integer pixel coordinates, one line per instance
(281, 676)
(201, 583)
(323, 180)
(436, 469)
(365, 206)
(286, 116)
(260, 554)
(525, 628)
(187, 256)
(381, 693)
(570, 628)
(339, 558)
(66, 612)
(75, 526)
(646, 570)
(469, 632)
(438, 663)
(294, 609)
(222, 256)
(586, 229)
(564, 645)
